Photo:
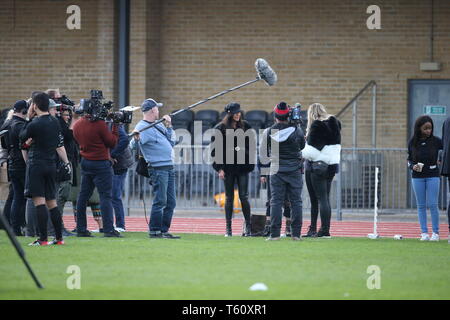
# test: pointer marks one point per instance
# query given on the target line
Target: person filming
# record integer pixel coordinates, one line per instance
(95, 140)
(285, 170)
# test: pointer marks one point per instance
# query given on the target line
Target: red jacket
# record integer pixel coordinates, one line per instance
(94, 138)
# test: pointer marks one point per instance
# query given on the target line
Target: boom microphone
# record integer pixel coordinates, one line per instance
(264, 71)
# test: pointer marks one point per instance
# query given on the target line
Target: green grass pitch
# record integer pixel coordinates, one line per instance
(208, 267)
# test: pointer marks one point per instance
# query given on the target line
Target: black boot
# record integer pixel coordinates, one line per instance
(266, 232)
(247, 232)
(288, 227)
(228, 217)
(312, 233)
(324, 232)
(228, 232)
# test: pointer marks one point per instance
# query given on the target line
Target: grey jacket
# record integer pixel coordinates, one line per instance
(282, 143)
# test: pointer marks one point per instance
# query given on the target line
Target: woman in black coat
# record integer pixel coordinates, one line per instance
(322, 153)
(234, 172)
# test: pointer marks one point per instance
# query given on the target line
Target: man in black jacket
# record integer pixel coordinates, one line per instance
(44, 132)
(122, 159)
(16, 164)
(73, 154)
(283, 143)
(445, 164)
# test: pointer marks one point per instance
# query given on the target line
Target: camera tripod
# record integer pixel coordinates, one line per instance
(5, 225)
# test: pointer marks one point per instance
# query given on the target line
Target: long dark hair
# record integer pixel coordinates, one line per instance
(417, 135)
(228, 120)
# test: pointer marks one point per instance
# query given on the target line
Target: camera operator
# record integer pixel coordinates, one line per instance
(285, 170)
(46, 138)
(16, 164)
(95, 140)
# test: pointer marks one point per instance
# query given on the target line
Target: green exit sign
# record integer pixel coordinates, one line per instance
(435, 110)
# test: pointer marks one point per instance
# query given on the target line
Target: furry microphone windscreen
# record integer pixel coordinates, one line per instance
(265, 72)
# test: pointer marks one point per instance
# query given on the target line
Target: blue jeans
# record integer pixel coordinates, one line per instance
(117, 191)
(163, 182)
(96, 173)
(427, 193)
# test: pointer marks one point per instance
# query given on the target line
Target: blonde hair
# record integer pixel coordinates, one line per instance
(52, 92)
(10, 114)
(316, 111)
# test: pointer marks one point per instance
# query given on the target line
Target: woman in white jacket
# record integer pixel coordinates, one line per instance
(322, 154)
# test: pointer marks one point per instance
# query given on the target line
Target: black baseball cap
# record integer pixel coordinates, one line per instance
(150, 104)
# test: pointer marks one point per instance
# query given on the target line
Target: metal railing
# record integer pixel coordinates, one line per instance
(354, 104)
(352, 188)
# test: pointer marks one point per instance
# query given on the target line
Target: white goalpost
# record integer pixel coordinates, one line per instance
(375, 235)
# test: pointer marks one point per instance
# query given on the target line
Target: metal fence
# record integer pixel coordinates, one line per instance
(352, 189)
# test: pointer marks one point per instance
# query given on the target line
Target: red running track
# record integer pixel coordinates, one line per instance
(217, 226)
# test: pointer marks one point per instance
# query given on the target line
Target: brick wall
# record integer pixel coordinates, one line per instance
(38, 51)
(138, 51)
(185, 51)
(321, 50)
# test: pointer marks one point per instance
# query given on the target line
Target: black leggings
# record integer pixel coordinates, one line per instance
(319, 193)
(242, 183)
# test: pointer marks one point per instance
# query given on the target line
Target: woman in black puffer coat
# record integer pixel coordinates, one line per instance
(234, 172)
(322, 154)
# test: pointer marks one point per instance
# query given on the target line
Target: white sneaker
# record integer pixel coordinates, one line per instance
(434, 237)
(120, 229)
(424, 237)
(96, 230)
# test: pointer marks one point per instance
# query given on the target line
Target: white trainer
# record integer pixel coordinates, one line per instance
(434, 237)
(120, 229)
(425, 237)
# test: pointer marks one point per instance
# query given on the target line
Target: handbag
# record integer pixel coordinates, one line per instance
(142, 167)
(320, 168)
